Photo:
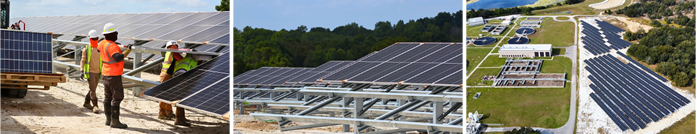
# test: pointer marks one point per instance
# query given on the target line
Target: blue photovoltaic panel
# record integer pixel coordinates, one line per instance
(25, 52)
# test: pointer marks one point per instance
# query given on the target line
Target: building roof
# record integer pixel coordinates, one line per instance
(476, 19)
(528, 47)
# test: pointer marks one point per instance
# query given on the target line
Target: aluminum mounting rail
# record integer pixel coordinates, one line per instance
(138, 49)
(368, 122)
(402, 96)
(377, 111)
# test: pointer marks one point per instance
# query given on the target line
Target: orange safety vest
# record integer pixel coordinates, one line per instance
(110, 67)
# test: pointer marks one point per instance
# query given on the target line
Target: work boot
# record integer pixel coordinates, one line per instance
(166, 112)
(181, 118)
(87, 102)
(115, 123)
(95, 109)
(107, 112)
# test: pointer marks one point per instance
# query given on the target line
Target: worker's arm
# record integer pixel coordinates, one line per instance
(177, 56)
(83, 59)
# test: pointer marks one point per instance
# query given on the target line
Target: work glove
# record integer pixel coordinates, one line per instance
(129, 46)
(82, 76)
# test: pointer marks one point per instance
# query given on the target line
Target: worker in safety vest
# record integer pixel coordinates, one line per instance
(112, 69)
(91, 70)
(166, 74)
(186, 64)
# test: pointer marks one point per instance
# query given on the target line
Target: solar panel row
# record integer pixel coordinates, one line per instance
(212, 27)
(643, 67)
(428, 63)
(25, 52)
(630, 97)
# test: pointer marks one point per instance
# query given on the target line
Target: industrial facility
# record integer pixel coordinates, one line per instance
(528, 50)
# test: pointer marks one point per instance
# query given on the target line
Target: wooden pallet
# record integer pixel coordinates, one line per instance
(12, 80)
(32, 77)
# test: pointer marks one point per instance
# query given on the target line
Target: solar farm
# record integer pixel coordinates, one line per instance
(405, 87)
(618, 93)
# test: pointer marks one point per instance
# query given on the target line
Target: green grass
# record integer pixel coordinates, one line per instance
(475, 56)
(475, 30)
(476, 77)
(534, 107)
(496, 50)
(558, 51)
(576, 9)
(559, 34)
(560, 64)
(493, 61)
(562, 18)
(684, 126)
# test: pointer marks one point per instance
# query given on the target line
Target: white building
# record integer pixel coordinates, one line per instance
(527, 50)
(476, 21)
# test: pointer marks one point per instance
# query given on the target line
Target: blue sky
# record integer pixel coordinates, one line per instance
(289, 14)
(30, 8)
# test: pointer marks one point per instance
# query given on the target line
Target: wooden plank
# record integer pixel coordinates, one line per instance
(12, 87)
(6, 82)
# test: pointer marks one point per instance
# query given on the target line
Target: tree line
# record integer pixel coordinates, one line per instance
(494, 12)
(303, 47)
(672, 48)
(661, 10)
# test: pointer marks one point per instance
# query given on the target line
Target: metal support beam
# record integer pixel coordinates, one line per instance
(368, 122)
(320, 105)
(397, 110)
(307, 126)
(437, 112)
(392, 131)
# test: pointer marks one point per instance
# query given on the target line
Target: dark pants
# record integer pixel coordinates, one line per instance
(113, 90)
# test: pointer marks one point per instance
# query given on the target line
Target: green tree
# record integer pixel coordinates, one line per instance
(681, 79)
(224, 6)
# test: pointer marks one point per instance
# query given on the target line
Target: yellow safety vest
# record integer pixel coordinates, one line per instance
(86, 68)
(167, 62)
(187, 63)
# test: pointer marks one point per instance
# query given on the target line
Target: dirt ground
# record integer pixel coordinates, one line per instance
(59, 110)
(610, 4)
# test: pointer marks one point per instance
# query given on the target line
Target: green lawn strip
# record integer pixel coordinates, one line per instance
(559, 34)
(560, 64)
(476, 78)
(684, 126)
(534, 107)
(562, 18)
(475, 30)
(475, 56)
(496, 50)
(493, 61)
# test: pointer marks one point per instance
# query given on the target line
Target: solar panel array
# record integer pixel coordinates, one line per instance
(630, 97)
(205, 88)
(595, 42)
(212, 27)
(643, 67)
(427, 63)
(25, 52)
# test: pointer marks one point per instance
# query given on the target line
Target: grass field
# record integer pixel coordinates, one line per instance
(543, 3)
(576, 9)
(534, 107)
(493, 61)
(479, 73)
(558, 51)
(475, 30)
(475, 56)
(684, 126)
(559, 34)
(562, 18)
(560, 64)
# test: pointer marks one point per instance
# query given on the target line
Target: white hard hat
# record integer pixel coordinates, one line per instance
(109, 28)
(93, 34)
(170, 43)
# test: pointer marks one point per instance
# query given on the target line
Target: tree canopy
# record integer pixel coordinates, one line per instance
(303, 47)
(672, 48)
(224, 6)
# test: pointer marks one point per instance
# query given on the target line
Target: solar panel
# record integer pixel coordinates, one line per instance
(25, 52)
(192, 81)
(214, 99)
